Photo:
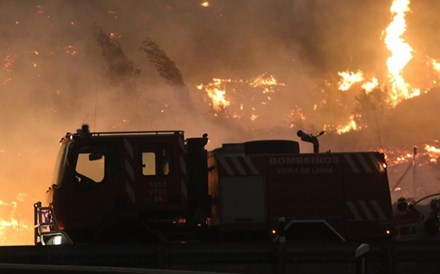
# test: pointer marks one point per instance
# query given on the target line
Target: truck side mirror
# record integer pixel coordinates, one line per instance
(95, 156)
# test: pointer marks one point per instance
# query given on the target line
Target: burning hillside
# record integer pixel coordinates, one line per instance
(365, 73)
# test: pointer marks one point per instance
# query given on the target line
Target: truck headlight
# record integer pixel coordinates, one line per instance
(57, 238)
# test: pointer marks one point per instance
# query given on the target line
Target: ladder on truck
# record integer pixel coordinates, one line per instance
(46, 229)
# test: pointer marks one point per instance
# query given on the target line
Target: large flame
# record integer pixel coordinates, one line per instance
(216, 91)
(401, 53)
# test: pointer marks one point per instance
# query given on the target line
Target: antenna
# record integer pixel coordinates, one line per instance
(412, 165)
(96, 110)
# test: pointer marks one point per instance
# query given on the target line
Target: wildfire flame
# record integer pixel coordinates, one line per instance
(267, 83)
(349, 78)
(216, 91)
(435, 64)
(371, 85)
(401, 53)
(296, 117)
(11, 226)
(349, 126)
(433, 152)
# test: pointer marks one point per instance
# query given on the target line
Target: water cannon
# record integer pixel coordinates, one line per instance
(82, 132)
(310, 138)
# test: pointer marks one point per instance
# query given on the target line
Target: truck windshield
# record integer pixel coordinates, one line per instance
(60, 164)
(90, 162)
(91, 166)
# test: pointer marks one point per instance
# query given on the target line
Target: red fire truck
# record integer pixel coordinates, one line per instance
(148, 186)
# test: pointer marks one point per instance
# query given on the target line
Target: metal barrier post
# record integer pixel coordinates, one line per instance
(361, 258)
(281, 246)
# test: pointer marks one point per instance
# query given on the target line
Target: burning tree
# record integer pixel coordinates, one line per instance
(370, 107)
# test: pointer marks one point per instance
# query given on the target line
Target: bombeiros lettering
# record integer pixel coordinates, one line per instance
(308, 160)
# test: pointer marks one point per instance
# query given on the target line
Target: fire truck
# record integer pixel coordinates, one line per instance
(157, 186)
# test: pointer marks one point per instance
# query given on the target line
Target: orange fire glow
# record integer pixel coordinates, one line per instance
(12, 228)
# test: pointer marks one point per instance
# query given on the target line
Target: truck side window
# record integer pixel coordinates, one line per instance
(155, 160)
(91, 165)
(148, 163)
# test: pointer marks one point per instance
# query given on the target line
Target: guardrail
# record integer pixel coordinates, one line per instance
(350, 258)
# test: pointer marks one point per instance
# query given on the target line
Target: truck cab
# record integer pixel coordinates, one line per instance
(109, 183)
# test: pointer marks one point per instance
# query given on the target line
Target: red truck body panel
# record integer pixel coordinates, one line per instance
(349, 191)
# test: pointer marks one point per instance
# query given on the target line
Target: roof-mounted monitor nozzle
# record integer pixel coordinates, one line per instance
(84, 131)
(306, 137)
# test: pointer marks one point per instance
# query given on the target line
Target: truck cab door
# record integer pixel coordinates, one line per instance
(160, 186)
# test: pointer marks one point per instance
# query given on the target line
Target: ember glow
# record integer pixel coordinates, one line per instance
(267, 83)
(205, 4)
